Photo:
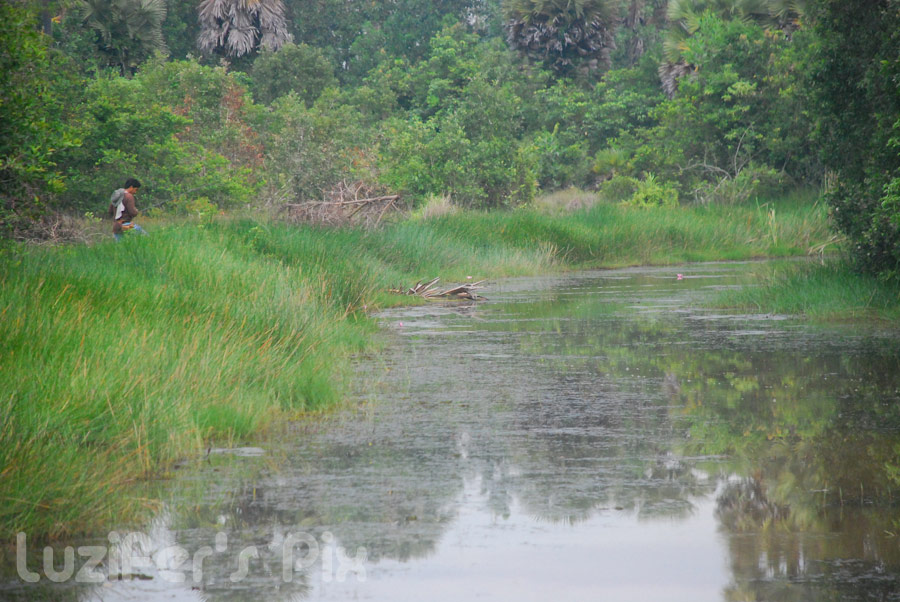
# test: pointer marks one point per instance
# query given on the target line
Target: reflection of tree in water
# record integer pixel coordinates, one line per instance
(811, 421)
(816, 441)
(583, 446)
(742, 505)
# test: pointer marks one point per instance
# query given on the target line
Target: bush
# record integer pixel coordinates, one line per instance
(37, 94)
(751, 182)
(437, 157)
(560, 165)
(301, 69)
(652, 193)
(309, 150)
(126, 132)
(854, 77)
(618, 189)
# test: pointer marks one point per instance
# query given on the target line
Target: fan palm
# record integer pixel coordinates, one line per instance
(238, 26)
(564, 34)
(130, 30)
(684, 19)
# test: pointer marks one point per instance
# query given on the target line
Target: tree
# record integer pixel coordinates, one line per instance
(855, 80)
(181, 28)
(36, 96)
(237, 27)
(736, 125)
(566, 35)
(298, 68)
(685, 17)
(129, 30)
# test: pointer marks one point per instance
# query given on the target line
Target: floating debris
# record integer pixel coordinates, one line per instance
(429, 290)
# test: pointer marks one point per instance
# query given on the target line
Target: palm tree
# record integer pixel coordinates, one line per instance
(684, 21)
(129, 30)
(566, 35)
(239, 26)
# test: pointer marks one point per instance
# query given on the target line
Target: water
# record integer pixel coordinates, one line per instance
(596, 435)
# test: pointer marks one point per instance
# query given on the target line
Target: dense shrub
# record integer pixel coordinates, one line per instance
(309, 150)
(723, 113)
(301, 69)
(38, 101)
(164, 127)
(651, 192)
(857, 48)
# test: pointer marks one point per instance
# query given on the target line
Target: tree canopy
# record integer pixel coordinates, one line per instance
(644, 101)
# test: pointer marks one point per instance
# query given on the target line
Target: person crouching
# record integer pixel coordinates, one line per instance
(123, 209)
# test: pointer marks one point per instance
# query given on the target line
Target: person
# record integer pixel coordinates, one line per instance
(123, 209)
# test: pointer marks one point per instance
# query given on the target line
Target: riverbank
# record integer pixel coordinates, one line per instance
(820, 290)
(119, 359)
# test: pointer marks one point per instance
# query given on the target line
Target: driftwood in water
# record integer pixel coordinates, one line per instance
(429, 290)
(354, 203)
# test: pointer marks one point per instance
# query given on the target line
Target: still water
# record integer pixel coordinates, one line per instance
(590, 436)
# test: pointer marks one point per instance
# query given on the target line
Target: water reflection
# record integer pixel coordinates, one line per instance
(592, 435)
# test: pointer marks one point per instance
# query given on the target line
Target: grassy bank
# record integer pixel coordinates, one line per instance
(117, 359)
(822, 291)
(612, 235)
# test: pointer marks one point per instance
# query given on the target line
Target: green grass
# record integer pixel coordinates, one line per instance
(117, 359)
(821, 291)
(613, 235)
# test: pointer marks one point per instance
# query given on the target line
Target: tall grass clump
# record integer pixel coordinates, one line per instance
(820, 290)
(117, 359)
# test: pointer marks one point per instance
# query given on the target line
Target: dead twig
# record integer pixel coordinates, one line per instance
(354, 203)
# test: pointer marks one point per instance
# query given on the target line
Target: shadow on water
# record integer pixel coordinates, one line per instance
(589, 435)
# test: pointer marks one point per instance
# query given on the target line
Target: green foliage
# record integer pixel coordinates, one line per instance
(181, 28)
(463, 132)
(653, 193)
(560, 165)
(73, 38)
(438, 157)
(37, 94)
(751, 182)
(129, 31)
(301, 69)
(309, 150)
(566, 35)
(163, 127)
(734, 110)
(858, 131)
(356, 35)
(619, 189)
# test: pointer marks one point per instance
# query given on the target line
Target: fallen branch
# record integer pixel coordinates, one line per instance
(346, 203)
(427, 290)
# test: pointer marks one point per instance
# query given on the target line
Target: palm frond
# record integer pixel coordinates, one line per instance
(238, 27)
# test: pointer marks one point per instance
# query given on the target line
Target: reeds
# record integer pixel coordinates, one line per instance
(829, 290)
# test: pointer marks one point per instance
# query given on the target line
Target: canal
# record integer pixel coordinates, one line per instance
(590, 436)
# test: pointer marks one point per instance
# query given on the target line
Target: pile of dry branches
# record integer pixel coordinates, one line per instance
(429, 290)
(355, 203)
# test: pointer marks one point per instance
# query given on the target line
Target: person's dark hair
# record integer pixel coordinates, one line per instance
(132, 182)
